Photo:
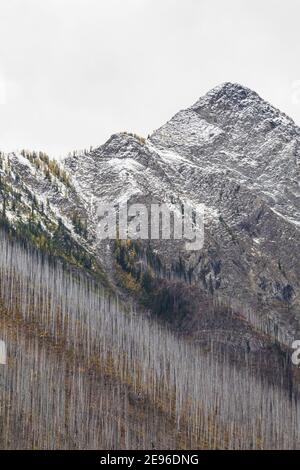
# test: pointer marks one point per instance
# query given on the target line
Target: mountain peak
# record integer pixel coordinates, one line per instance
(232, 90)
(232, 100)
(230, 95)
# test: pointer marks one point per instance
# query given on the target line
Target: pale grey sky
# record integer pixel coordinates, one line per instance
(72, 72)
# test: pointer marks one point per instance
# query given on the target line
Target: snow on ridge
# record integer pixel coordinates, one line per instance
(127, 163)
(290, 220)
(18, 157)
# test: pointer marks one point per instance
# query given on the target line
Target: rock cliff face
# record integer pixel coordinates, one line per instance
(239, 156)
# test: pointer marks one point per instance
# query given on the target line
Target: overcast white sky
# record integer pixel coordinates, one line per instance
(72, 72)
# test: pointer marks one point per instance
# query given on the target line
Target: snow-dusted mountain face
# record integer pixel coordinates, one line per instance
(40, 205)
(231, 151)
(239, 156)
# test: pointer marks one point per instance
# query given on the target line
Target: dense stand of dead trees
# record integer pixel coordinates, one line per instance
(64, 333)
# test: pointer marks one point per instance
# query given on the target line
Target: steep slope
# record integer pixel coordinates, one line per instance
(85, 319)
(40, 205)
(83, 373)
(239, 156)
(234, 130)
